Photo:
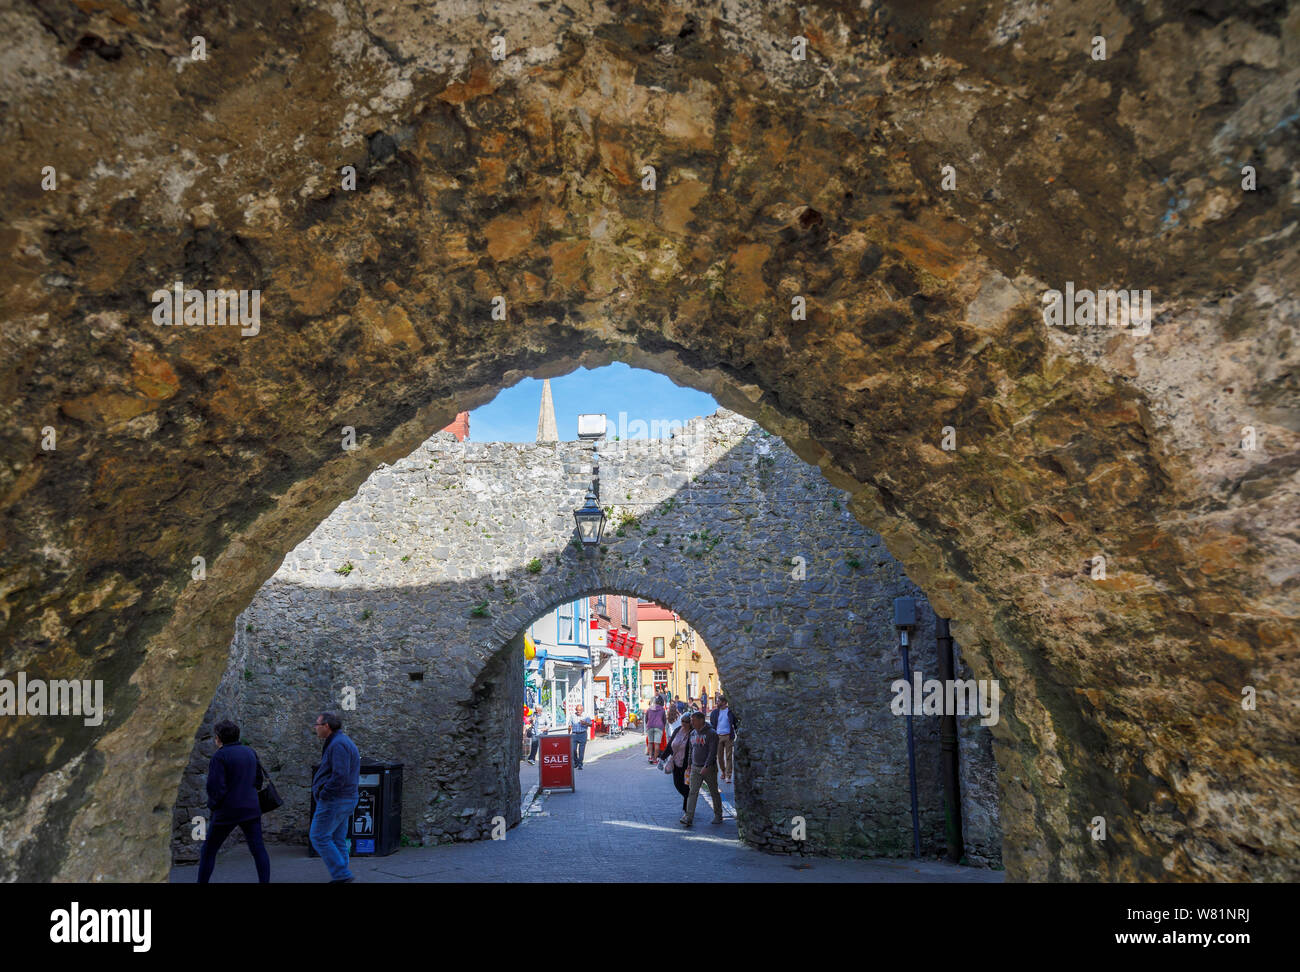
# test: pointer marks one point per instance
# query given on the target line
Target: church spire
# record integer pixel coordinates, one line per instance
(546, 429)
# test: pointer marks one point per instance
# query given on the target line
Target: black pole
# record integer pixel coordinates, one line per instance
(911, 755)
(948, 750)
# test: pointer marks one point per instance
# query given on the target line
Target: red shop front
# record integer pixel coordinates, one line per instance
(661, 673)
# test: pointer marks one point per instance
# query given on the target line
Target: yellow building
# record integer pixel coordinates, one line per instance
(675, 661)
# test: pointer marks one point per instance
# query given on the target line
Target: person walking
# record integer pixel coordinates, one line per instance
(679, 712)
(578, 725)
(232, 797)
(724, 723)
(538, 723)
(655, 724)
(678, 753)
(704, 768)
(335, 788)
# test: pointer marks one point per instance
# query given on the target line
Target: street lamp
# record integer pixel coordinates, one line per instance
(676, 643)
(681, 637)
(590, 517)
(591, 521)
(905, 622)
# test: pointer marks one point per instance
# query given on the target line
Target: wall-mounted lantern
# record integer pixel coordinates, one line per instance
(591, 521)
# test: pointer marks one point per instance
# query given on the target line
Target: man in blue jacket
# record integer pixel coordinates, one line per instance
(335, 788)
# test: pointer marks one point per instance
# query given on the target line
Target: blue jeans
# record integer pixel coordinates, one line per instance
(329, 834)
(579, 748)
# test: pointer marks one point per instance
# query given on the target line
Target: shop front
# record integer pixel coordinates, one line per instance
(557, 686)
(615, 678)
(655, 679)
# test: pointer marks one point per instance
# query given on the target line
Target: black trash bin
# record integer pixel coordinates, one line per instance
(375, 827)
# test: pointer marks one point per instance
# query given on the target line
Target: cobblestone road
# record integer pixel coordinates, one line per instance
(621, 825)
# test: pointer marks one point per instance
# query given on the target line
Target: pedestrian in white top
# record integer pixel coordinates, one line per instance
(724, 724)
(578, 726)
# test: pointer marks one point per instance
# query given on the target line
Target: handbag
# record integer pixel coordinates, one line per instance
(667, 765)
(268, 797)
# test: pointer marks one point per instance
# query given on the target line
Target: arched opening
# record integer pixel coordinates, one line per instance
(412, 597)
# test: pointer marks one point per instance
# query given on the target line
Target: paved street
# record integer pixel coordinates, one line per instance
(620, 825)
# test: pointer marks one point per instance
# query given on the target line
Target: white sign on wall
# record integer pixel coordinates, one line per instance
(591, 426)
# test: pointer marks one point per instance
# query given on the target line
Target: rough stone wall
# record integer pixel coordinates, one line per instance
(981, 823)
(707, 523)
(777, 178)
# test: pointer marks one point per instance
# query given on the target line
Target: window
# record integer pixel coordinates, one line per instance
(694, 680)
(659, 648)
(565, 635)
(627, 617)
(601, 606)
(661, 683)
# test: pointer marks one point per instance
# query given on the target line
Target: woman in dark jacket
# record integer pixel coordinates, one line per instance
(232, 797)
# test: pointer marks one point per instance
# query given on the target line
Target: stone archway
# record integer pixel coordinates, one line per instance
(409, 599)
(821, 179)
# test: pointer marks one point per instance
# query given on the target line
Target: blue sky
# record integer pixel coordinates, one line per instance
(644, 397)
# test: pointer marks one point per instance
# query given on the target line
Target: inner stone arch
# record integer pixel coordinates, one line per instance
(412, 597)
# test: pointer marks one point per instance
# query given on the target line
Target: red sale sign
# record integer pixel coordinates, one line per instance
(555, 762)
